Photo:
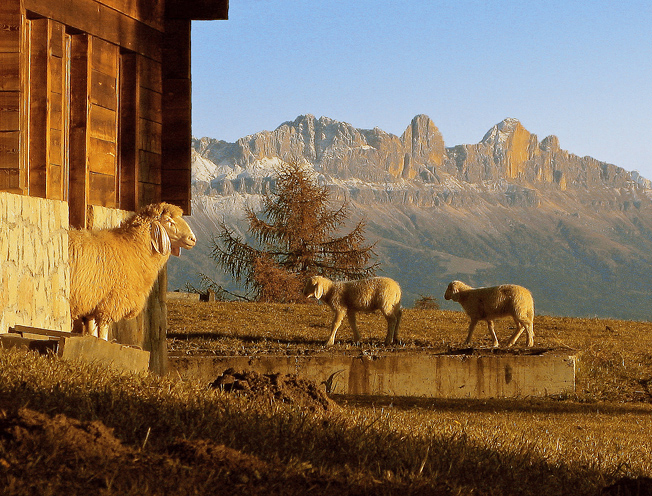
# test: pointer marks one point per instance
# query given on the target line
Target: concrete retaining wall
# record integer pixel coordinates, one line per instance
(418, 375)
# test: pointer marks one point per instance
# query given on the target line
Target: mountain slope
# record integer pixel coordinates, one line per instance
(511, 208)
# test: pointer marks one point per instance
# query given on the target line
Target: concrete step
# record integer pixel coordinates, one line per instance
(73, 346)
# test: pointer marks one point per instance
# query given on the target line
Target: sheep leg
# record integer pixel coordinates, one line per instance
(519, 330)
(337, 320)
(104, 331)
(354, 327)
(492, 331)
(399, 314)
(393, 321)
(91, 328)
(470, 335)
(391, 329)
(530, 334)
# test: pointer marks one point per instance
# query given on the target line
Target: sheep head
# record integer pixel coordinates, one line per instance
(168, 230)
(453, 289)
(316, 287)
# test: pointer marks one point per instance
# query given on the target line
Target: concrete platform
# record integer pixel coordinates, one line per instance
(113, 355)
(411, 375)
(73, 346)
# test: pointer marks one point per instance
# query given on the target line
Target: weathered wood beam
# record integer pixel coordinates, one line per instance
(104, 22)
(197, 10)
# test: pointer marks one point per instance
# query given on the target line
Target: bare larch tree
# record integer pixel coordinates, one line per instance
(295, 234)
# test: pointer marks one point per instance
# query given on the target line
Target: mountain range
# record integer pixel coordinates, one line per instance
(510, 209)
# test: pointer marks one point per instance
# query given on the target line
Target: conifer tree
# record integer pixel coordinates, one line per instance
(295, 234)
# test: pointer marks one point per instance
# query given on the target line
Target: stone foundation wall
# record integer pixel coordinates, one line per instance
(34, 273)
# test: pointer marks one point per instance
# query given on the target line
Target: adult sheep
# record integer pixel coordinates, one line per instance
(112, 271)
(494, 302)
(365, 295)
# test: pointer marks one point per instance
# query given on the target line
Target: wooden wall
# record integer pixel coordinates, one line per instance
(48, 122)
(177, 117)
(95, 102)
(10, 97)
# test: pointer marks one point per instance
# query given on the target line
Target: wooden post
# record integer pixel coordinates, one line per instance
(78, 189)
(38, 97)
(128, 130)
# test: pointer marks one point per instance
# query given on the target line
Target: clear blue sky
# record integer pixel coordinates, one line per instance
(581, 70)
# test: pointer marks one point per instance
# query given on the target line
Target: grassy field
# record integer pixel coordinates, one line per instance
(69, 428)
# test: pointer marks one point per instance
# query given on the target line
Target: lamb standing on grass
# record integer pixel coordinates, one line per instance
(112, 271)
(491, 303)
(364, 295)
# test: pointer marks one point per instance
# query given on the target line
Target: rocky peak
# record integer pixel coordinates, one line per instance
(501, 132)
(424, 144)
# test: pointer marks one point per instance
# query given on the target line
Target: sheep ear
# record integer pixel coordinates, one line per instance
(160, 238)
(319, 290)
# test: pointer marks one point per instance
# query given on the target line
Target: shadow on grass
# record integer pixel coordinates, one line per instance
(528, 405)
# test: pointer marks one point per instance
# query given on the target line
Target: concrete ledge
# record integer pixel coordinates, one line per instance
(414, 375)
(114, 355)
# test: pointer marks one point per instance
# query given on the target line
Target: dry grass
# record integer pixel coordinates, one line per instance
(575, 445)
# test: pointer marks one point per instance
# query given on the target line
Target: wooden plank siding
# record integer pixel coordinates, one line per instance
(10, 96)
(95, 100)
(177, 120)
(128, 130)
(48, 110)
(150, 131)
(102, 20)
(102, 153)
(79, 85)
(38, 106)
(56, 186)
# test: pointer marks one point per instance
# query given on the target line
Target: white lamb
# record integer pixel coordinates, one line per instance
(364, 295)
(494, 302)
(112, 271)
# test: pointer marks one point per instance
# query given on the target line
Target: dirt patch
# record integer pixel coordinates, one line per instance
(42, 454)
(69, 437)
(286, 388)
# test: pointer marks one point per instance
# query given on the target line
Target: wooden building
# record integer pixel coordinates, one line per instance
(95, 114)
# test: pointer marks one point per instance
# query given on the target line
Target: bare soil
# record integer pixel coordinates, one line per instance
(86, 457)
(286, 388)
